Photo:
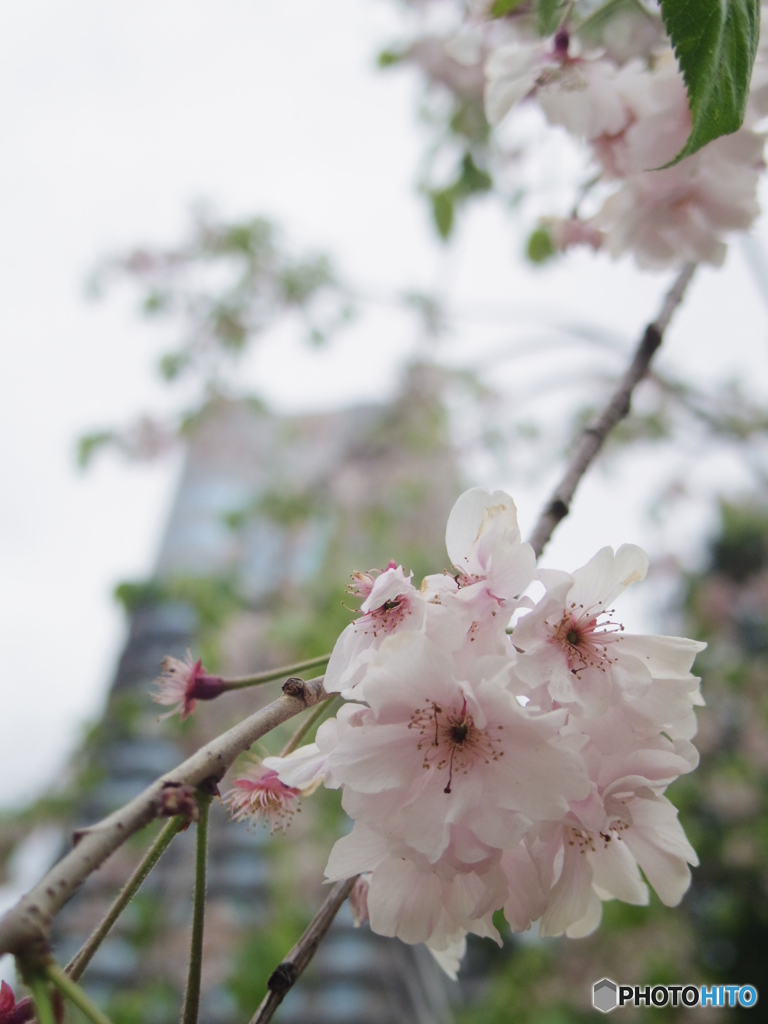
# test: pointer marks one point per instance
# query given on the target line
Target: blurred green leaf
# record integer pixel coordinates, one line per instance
(443, 211)
(471, 178)
(501, 7)
(387, 58)
(90, 444)
(171, 364)
(549, 15)
(540, 247)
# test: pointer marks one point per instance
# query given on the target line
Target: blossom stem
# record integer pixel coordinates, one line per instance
(290, 970)
(306, 725)
(75, 994)
(192, 994)
(594, 435)
(242, 682)
(41, 997)
(77, 965)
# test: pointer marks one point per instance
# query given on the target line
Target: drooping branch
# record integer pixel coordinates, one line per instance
(593, 437)
(287, 973)
(24, 929)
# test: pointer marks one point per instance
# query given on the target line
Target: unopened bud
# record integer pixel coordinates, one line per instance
(176, 798)
(183, 683)
(12, 1012)
(358, 899)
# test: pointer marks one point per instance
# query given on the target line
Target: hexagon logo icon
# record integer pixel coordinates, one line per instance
(604, 996)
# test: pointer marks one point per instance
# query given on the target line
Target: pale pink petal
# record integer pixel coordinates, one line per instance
(361, 850)
(403, 901)
(570, 898)
(450, 958)
(615, 872)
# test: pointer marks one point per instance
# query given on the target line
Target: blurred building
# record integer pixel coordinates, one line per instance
(270, 515)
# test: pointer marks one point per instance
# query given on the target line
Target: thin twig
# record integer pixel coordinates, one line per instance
(241, 682)
(75, 994)
(286, 974)
(77, 965)
(306, 725)
(192, 993)
(593, 437)
(24, 928)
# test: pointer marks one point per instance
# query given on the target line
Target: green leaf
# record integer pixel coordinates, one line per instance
(549, 16)
(715, 42)
(472, 179)
(172, 364)
(442, 211)
(501, 7)
(90, 444)
(540, 247)
(388, 58)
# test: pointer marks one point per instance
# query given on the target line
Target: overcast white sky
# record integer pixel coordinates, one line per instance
(115, 119)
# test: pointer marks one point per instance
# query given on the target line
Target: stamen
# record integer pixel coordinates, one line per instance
(585, 637)
(454, 741)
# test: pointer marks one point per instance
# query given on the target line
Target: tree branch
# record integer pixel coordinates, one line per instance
(24, 929)
(286, 974)
(594, 435)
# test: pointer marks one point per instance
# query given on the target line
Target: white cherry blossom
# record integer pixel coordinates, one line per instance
(391, 602)
(573, 646)
(484, 772)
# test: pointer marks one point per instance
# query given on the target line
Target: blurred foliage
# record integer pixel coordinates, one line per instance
(152, 1004)
(223, 288)
(469, 181)
(213, 599)
(440, 41)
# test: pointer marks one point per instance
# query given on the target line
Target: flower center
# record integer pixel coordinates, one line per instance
(585, 640)
(386, 618)
(449, 737)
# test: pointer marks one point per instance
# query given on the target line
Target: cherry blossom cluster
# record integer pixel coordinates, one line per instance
(490, 766)
(620, 93)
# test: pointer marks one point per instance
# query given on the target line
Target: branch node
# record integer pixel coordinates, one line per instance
(283, 976)
(651, 339)
(175, 798)
(294, 687)
(557, 509)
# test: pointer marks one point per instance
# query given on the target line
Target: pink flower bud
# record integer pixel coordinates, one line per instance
(183, 683)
